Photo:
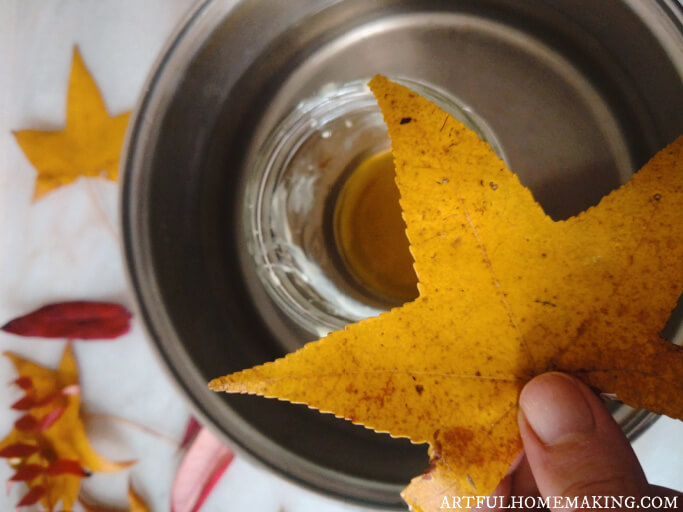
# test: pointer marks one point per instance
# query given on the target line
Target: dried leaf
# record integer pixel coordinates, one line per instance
(191, 430)
(24, 404)
(79, 320)
(23, 383)
(57, 441)
(32, 496)
(137, 504)
(18, 450)
(27, 472)
(200, 470)
(90, 143)
(27, 423)
(506, 293)
(65, 467)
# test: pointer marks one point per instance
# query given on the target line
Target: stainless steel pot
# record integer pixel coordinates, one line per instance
(578, 94)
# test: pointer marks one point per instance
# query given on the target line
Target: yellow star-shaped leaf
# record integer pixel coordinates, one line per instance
(506, 293)
(90, 143)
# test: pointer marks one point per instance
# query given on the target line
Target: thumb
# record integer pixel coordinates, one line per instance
(574, 447)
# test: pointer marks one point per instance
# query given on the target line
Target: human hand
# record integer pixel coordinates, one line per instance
(574, 449)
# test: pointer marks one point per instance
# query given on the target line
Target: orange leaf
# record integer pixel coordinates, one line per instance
(137, 504)
(505, 293)
(90, 143)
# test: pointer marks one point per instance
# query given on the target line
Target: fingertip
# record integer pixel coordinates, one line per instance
(571, 442)
(555, 408)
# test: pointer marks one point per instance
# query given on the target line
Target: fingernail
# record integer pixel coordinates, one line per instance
(555, 408)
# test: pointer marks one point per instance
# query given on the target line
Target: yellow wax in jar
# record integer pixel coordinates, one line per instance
(370, 231)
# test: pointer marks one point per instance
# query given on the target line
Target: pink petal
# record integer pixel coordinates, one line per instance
(203, 465)
(50, 418)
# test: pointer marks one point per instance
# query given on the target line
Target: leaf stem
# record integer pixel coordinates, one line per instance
(89, 416)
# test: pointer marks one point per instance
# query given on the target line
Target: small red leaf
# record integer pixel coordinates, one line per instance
(18, 450)
(32, 496)
(65, 467)
(81, 320)
(193, 426)
(27, 473)
(50, 418)
(27, 423)
(24, 404)
(24, 383)
(203, 465)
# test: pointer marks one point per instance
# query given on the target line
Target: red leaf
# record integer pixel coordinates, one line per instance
(24, 383)
(27, 423)
(24, 404)
(203, 465)
(50, 418)
(27, 473)
(65, 467)
(32, 496)
(18, 450)
(81, 320)
(193, 426)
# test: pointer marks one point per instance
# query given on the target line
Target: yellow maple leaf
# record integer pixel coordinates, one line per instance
(90, 143)
(506, 293)
(58, 433)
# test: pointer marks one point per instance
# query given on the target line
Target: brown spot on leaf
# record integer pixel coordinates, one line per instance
(458, 437)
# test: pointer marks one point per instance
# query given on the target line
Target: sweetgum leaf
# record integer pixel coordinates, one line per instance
(506, 293)
(90, 143)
